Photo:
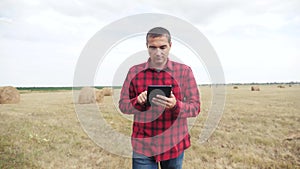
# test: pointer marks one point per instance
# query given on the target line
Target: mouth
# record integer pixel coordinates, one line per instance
(159, 57)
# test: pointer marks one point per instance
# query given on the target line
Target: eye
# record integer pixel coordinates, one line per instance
(163, 47)
(152, 47)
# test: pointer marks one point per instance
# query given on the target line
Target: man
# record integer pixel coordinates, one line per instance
(160, 132)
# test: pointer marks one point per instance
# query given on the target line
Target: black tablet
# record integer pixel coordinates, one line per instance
(154, 90)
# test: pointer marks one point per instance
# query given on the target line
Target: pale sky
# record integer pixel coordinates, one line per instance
(41, 40)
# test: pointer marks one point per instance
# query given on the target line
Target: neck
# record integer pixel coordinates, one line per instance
(158, 66)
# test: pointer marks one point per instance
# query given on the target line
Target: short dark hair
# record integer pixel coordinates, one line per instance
(158, 32)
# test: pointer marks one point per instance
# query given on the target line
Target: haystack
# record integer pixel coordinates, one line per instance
(107, 91)
(99, 96)
(89, 95)
(235, 87)
(255, 88)
(9, 95)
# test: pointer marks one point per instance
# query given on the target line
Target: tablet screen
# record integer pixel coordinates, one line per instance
(154, 90)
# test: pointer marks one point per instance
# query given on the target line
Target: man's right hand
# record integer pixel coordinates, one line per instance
(142, 98)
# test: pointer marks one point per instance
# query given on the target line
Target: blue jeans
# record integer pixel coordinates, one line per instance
(140, 161)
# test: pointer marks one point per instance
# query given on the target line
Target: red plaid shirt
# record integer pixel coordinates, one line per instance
(158, 132)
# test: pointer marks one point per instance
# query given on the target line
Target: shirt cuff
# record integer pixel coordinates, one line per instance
(138, 106)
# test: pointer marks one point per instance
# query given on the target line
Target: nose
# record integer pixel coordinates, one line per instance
(158, 51)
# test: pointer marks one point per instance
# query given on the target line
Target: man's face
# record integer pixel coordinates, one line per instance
(158, 49)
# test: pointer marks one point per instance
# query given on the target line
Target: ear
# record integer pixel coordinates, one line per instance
(170, 44)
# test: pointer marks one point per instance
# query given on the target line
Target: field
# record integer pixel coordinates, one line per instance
(258, 129)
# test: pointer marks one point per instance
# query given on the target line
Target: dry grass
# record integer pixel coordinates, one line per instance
(42, 131)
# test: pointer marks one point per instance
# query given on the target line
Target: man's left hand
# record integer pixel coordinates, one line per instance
(167, 102)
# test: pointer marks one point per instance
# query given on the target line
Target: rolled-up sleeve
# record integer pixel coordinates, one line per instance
(128, 97)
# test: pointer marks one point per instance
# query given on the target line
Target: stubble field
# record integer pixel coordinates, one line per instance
(258, 129)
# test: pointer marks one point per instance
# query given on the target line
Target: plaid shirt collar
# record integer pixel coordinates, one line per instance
(168, 66)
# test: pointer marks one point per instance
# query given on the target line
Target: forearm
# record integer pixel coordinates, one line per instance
(187, 109)
(130, 106)
(189, 106)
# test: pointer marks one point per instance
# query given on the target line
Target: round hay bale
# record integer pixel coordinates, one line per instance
(281, 86)
(255, 88)
(235, 87)
(86, 95)
(99, 96)
(9, 95)
(89, 95)
(107, 91)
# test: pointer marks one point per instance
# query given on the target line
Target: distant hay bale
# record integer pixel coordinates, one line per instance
(99, 96)
(89, 95)
(235, 87)
(255, 88)
(281, 86)
(86, 95)
(9, 95)
(107, 91)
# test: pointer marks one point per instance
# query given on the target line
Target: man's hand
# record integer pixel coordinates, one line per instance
(167, 102)
(142, 98)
